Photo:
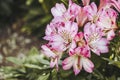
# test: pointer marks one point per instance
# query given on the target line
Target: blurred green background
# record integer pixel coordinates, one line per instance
(32, 15)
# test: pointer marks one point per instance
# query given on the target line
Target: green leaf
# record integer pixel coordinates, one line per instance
(119, 24)
(66, 73)
(15, 60)
(65, 2)
(35, 66)
(32, 66)
(116, 63)
(43, 61)
(44, 77)
(29, 2)
(112, 77)
(1, 58)
(33, 51)
(54, 74)
(98, 74)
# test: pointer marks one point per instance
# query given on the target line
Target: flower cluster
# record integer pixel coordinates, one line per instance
(78, 30)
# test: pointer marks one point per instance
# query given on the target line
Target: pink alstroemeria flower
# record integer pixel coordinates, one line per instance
(58, 10)
(93, 36)
(105, 18)
(65, 15)
(80, 42)
(79, 39)
(110, 3)
(107, 23)
(78, 59)
(116, 4)
(104, 3)
(92, 12)
(53, 54)
(61, 37)
(73, 10)
(50, 30)
(81, 18)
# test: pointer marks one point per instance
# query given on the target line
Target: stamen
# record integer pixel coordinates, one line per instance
(66, 36)
(93, 37)
(92, 40)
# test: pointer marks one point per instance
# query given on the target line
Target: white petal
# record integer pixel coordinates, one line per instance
(47, 51)
(87, 65)
(68, 63)
(54, 62)
(76, 68)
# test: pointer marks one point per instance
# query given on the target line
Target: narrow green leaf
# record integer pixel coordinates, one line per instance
(15, 60)
(43, 61)
(44, 77)
(112, 77)
(116, 63)
(65, 73)
(32, 66)
(33, 51)
(54, 74)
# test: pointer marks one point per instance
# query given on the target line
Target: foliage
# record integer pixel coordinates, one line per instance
(35, 66)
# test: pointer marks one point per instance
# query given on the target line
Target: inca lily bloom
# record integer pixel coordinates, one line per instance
(91, 11)
(107, 23)
(65, 15)
(50, 31)
(93, 36)
(58, 10)
(81, 18)
(79, 39)
(116, 4)
(104, 3)
(73, 10)
(110, 3)
(80, 42)
(82, 15)
(78, 59)
(62, 37)
(53, 54)
(105, 18)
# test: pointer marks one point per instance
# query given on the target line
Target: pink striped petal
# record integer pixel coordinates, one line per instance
(58, 10)
(47, 51)
(67, 63)
(77, 67)
(87, 65)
